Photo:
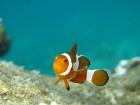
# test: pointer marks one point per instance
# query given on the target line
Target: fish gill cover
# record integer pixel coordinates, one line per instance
(105, 30)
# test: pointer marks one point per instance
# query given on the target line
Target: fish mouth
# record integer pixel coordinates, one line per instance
(57, 66)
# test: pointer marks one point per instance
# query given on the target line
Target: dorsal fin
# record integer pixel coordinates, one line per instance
(73, 52)
(74, 49)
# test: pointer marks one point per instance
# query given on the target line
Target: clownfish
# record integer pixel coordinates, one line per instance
(71, 67)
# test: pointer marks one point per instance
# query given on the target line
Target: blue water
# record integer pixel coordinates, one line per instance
(105, 30)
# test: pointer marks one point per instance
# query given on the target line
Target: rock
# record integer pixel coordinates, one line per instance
(126, 66)
(121, 68)
(134, 62)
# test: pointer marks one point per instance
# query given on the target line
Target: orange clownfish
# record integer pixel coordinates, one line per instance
(71, 67)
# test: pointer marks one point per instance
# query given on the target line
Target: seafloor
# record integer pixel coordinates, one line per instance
(21, 87)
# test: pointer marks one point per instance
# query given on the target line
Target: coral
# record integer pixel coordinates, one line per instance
(21, 87)
(5, 41)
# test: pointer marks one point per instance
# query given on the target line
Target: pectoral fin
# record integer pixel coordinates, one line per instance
(84, 63)
(66, 84)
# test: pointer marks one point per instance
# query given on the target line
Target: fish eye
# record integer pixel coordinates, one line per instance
(65, 60)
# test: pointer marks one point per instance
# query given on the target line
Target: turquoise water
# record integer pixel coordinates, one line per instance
(105, 30)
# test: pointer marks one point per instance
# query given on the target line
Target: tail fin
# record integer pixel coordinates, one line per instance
(97, 77)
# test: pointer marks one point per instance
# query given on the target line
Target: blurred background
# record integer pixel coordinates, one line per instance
(106, 31)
